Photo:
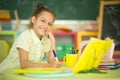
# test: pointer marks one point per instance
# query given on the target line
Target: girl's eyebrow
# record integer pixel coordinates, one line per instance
(42, 17)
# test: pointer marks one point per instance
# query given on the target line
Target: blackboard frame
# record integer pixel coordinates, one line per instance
(101, 16)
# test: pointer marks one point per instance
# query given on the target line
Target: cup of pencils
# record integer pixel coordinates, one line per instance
(71, 57)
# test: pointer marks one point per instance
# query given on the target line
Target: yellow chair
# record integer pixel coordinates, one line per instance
(4, 49)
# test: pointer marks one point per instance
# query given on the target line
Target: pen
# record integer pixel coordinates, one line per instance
(55, 55)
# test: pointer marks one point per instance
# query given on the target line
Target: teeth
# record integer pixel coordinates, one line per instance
(43, 30)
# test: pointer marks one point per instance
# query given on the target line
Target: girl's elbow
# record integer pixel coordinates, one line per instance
(23, 65)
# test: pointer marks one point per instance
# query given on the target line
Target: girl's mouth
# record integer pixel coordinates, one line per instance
(43, 30)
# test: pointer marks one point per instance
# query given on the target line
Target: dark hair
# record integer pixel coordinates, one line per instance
(40, 8)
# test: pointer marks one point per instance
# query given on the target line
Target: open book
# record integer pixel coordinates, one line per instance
(92, 55)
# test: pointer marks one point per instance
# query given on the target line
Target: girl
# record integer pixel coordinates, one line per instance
(34, 43)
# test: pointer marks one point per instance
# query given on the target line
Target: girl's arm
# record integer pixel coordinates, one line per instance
(49, 55)
(51, 59)
(25, 63)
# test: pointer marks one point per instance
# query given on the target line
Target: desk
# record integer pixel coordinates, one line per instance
(111, 75)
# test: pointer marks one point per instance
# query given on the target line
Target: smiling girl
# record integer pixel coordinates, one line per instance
(34, 43)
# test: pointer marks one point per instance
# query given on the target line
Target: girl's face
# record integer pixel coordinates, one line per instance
(43, 23)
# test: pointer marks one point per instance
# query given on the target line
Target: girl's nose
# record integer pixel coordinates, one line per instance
(45, 25)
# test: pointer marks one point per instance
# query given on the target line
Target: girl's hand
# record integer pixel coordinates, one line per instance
(50, 34)
(56, 65)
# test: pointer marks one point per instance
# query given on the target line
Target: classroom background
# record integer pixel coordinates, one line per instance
(77, 21)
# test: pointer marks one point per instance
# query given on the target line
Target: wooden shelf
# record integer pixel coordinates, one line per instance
(64, 41)
(82, 34)
(9, 36)
(66, 34)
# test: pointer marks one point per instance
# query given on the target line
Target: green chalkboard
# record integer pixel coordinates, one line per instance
(64, 9)
(111, 23)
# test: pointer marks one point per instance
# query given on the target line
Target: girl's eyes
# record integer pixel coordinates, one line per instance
(45, 21)
(50, 24)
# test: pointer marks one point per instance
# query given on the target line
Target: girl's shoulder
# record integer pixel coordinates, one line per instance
(26, 32)
(26, 35)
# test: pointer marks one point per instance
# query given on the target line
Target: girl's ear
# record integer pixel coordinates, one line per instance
(33, 19)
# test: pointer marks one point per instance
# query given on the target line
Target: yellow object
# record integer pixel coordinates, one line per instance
(4, 14)
(38, 70)
(70, 60)
(4, 49)
(92, 55)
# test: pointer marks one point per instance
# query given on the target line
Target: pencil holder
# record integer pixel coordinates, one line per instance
(70, 60)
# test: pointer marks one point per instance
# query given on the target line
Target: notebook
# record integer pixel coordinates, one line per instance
(45, 72)
(38, 70)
